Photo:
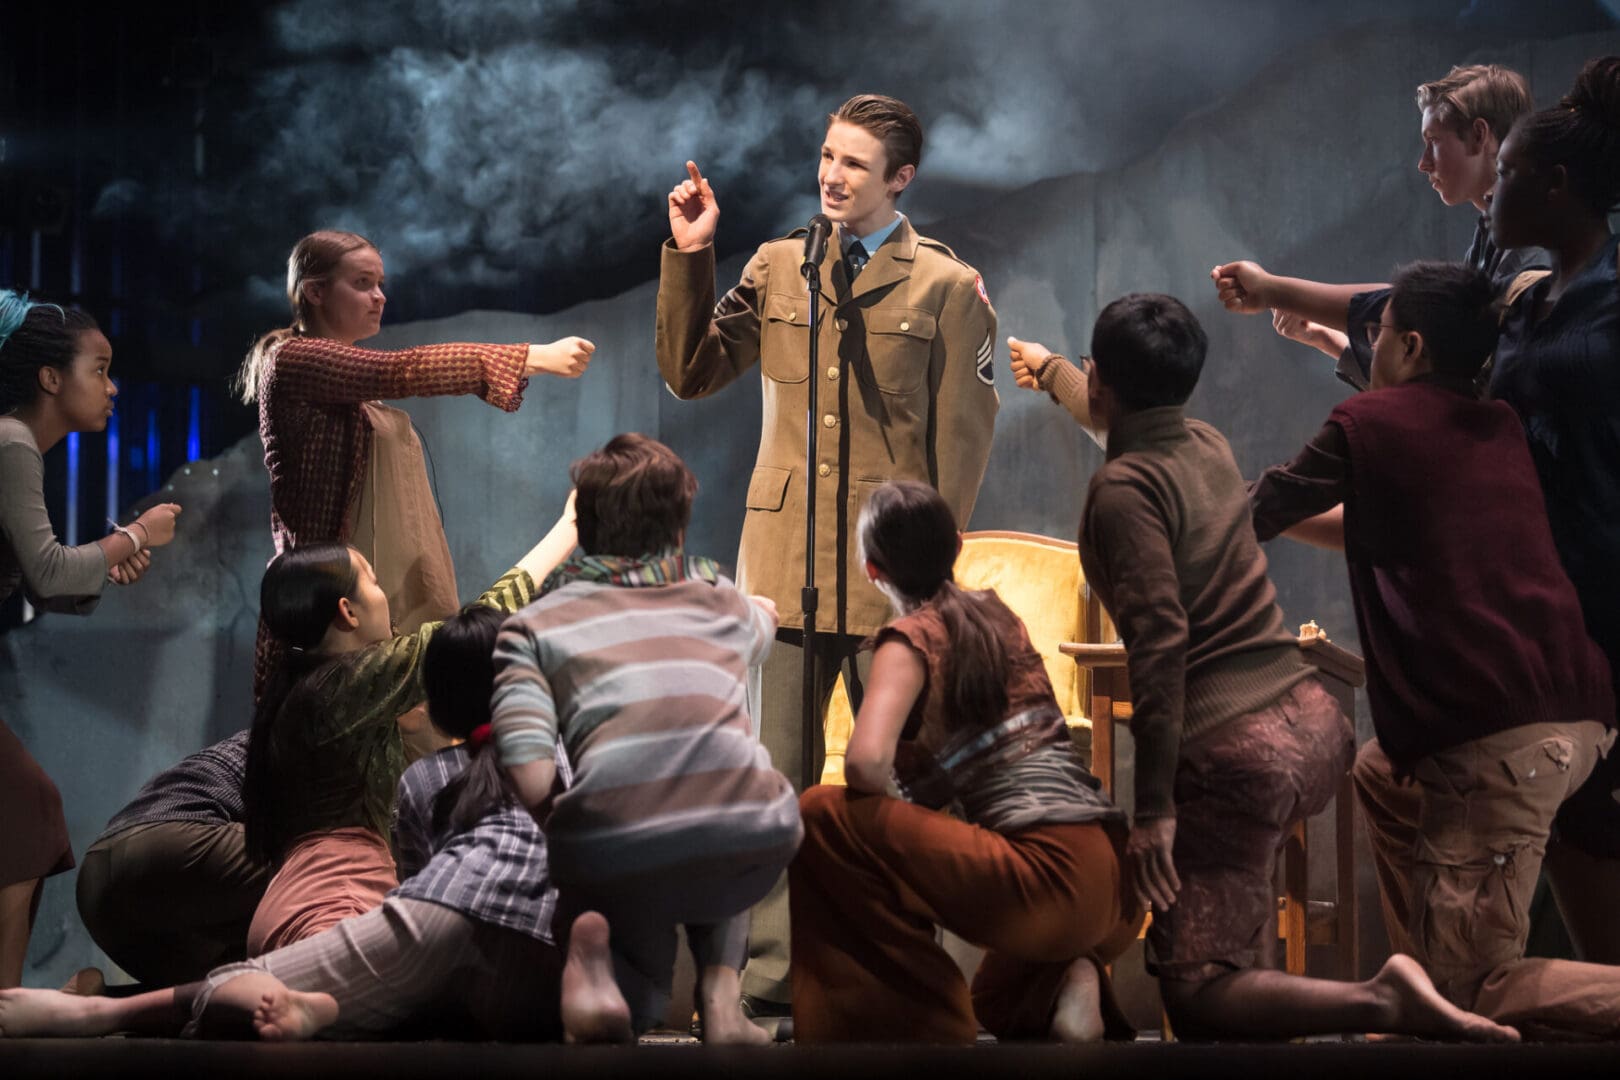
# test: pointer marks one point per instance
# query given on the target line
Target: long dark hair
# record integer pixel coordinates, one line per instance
(458, 673)
(32, 336)
(908, 532)
(299, 596)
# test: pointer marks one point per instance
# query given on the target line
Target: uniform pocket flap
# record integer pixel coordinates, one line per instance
(912, 322)
(788, 309)
(1547, 758)
(768, 488)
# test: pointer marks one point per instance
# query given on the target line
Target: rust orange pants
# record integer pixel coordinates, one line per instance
(875, 876)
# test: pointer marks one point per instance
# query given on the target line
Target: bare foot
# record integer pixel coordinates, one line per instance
(293, 1015)
(1416, 1007)
(86, 982)
(1077, 1016)
(724, 1024)
(593, 1009)
(50, 1014)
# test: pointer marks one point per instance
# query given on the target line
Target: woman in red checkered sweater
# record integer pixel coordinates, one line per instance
(343, 466)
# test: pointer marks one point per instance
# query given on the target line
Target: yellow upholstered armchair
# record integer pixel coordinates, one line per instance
(1039, 579)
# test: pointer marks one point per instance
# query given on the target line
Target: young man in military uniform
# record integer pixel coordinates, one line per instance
(905, 338)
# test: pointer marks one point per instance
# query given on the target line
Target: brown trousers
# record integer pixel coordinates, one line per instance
(875, 876)
(1458, 850)
(170, 900)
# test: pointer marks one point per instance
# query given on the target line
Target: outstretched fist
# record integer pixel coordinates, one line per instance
(1241, 286)
(158, 524)
(566, 357)
(1027, 358)
(693, 212)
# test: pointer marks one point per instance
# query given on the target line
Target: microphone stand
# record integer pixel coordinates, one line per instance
(810, 595)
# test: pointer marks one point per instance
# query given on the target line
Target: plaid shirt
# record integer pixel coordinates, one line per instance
(316, 437)
(207, 786)
(495, 873)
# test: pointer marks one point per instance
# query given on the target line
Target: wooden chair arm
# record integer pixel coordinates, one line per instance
(1089, 655)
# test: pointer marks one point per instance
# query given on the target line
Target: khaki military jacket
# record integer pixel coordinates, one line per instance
(905, 393)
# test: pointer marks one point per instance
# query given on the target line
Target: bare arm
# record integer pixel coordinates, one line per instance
(1247, 288)
(1325, 530)
(897, 678)
(554, 547)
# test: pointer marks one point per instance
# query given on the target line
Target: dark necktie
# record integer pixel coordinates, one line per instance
(856, 257)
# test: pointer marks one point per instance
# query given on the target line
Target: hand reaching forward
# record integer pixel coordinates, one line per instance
(1027, 358)
(1151, 869)
(1241, 286)
(693, 212)
(566, 357)
(1298, 328)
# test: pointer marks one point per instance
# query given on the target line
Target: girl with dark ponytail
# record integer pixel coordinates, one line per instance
(958, 709)
(54, 381)
(1558, 365)
(326, 750)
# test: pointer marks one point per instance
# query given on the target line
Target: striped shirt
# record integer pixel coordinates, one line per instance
(644, 683)
(207, 786)
(494, 872)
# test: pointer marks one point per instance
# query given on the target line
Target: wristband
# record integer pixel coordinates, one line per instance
(126, 534)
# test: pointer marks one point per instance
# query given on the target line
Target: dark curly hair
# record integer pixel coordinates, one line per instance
(1582, 133)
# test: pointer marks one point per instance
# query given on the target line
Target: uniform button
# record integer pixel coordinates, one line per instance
(829, 420)
(825, 469)
(905, 326)
(1499, 860)
(843, 324)
(832, 373)
(793, 316)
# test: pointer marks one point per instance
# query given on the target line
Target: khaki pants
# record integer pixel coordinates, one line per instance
(775, 699)
(1458, 850)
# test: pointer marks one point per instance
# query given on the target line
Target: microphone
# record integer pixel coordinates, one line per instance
(815, 242)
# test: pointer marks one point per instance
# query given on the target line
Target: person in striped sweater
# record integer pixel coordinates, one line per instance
(635, 659)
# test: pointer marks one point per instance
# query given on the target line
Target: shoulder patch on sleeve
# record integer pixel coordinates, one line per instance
(985, 361)
(978, 287)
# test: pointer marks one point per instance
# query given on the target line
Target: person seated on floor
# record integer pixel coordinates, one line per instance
(464, 943)
(167, 890)
(326, 753)
(1491, 702)
(959, 706)
(1236, 739)
(636, 658)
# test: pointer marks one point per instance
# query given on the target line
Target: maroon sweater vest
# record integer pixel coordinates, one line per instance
(1467, 619)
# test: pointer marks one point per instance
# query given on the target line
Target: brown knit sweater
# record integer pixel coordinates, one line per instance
(1167, 540)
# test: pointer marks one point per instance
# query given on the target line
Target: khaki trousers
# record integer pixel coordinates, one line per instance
(1458, 850)
(775, 701)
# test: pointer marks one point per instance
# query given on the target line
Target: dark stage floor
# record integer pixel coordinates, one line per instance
(1139, 1061)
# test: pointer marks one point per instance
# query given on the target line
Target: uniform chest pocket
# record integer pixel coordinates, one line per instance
(784, 340)
(899, 345)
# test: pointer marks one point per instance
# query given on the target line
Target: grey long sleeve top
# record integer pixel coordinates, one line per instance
(56, 577)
